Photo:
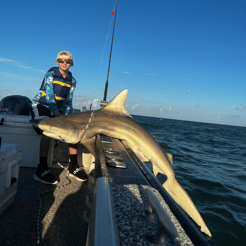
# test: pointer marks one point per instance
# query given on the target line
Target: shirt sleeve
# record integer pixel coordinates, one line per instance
(67, 106)
(36, 98)
(50, 97)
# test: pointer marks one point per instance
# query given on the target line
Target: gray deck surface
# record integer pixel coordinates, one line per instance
(131, 202)
(61, 217)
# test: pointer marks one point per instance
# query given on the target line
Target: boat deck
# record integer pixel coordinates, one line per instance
(61, 216)
(60, 221)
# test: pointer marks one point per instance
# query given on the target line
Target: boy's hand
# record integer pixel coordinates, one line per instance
(57, 114)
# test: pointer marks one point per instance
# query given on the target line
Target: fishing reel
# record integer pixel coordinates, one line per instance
(103, 104)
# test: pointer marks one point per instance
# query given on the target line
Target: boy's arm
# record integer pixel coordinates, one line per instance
(50, 97)
(67, 106)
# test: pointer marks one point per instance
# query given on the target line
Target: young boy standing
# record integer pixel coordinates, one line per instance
(55, 100)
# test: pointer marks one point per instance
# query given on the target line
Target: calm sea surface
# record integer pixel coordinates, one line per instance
(210, 163)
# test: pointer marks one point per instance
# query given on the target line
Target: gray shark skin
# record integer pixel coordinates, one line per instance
(114, 121)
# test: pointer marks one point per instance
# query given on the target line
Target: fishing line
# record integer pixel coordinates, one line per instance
(105, 43)
(104, 102)
(113, 12)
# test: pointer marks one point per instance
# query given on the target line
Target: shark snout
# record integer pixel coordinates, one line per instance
(35, 122)
(44, 124)
(58, 129)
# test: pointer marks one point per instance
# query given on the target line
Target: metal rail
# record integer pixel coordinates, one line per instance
(194, 234)
(102, 229)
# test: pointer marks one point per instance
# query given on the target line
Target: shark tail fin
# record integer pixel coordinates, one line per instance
(177, 192)
(117, 104)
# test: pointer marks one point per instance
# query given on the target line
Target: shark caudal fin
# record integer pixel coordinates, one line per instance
(178, 193)
(117, 104)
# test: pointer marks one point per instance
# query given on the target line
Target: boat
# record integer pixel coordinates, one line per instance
(122, 203)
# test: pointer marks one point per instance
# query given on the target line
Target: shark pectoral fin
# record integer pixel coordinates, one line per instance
(156, 170)
(90, 144)
(169, 157)
(117, 104)
(178, 193)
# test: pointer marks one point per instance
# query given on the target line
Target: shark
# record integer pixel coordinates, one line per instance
(114, 121)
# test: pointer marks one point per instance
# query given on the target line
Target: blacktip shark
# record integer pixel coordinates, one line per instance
(114, 121)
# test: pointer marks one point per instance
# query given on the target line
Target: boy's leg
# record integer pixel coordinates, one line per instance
(43, 173)
(74, 168)
(44, 146)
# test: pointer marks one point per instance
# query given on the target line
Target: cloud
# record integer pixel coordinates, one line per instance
(160, 110)
(18, 64)
(240, 108)
(18, 76)
(42, 71)
(96, 102)
(126, 72)
(134, 107)
(82, 100)
(214, 119)
(12, 62)
(197, 106)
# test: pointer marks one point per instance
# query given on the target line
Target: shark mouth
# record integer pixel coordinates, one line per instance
(53, 135)
(35, 123)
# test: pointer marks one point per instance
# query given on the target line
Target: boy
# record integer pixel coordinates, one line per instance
(55, 100)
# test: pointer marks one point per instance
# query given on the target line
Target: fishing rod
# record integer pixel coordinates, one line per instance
(104, 102)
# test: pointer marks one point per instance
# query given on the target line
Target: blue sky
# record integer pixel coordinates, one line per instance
(162, 50)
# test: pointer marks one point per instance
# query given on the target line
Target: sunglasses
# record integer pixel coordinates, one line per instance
(68, 61)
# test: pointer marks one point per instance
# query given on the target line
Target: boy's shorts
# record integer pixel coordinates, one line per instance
(43, 111)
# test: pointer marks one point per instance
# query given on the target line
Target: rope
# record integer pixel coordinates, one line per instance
(87, 126)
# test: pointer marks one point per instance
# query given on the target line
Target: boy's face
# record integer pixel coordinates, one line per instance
(64, 64)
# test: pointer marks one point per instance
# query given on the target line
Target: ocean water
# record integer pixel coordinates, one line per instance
(210, 163)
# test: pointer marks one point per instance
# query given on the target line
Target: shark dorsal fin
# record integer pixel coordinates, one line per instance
(117, 104)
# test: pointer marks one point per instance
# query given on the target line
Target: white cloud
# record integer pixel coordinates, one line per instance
(160, 110)
(240, 108)
(18, 76)
(126, 72)
(96, 102)
(197, 106)
(18, 64)
(134, 107)
(42, 71)
(12, 62)
(82, 100)
(214, 119)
